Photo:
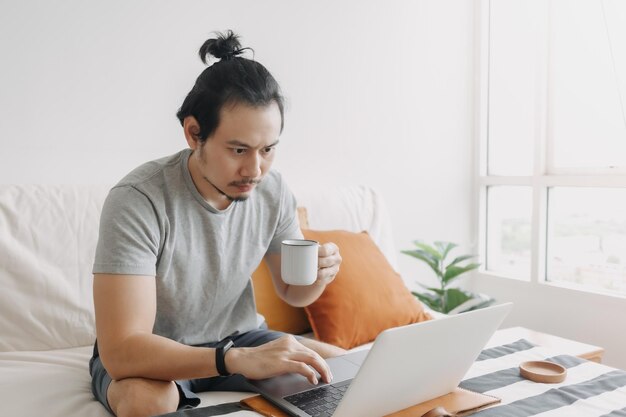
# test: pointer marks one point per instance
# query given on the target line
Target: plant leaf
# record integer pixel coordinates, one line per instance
(460, 259)
(485, 303)
(437, 291)
(432, 251)
(421, 254)
(431, 300)
(455, 297)
(445, 248)
(475, 302)
(425, 257)
(454, 271)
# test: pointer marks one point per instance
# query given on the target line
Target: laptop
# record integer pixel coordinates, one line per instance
(405, 366)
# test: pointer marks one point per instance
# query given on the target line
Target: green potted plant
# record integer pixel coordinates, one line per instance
(446, 299)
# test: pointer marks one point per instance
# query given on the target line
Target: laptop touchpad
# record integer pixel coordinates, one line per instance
(357, 357)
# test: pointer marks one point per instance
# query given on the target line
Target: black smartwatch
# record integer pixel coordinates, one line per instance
(220, 352)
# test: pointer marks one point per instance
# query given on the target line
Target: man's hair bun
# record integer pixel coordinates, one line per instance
(234, 79)
(225, 47)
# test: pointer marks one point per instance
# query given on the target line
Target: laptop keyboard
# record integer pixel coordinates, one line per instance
(320, 402)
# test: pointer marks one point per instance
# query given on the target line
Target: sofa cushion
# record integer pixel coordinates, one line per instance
(48, 237)
(354, 209)
(366, 297)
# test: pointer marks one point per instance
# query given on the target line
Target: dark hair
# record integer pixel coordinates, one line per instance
(231, 80)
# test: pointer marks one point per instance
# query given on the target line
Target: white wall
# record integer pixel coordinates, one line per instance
(379, 93)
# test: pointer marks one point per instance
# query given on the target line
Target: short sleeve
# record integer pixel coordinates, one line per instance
(288, 226)
(129, 237)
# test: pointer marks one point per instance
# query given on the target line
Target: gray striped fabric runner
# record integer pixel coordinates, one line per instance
(590, 389)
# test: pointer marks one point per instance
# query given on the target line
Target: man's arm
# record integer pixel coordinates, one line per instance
(329, 260)
(125, 307)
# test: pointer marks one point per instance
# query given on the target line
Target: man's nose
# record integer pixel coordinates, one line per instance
(252, 166)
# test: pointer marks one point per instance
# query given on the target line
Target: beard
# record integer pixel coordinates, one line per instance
(203, 163)
(234, 184)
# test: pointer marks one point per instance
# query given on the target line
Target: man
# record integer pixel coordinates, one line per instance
(179, 239)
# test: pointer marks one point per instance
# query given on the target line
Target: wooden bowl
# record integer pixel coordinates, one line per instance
(543, 372)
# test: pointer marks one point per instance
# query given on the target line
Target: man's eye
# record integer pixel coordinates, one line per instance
(268, 149)
(239, 151)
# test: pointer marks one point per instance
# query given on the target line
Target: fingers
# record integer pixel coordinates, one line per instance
(328, 255)
(304, 370)
(328, 262)
(306, 361)
(327, 249)
(310, 364)
(283, 355)
(327, 275)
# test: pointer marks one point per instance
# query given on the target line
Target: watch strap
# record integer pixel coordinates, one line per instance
(220, 353)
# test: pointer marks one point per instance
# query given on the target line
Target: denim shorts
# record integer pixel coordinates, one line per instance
(100, 379)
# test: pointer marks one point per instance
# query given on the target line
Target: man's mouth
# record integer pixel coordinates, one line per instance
(245, 186)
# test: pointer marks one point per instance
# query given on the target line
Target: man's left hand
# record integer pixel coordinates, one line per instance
(328, 263)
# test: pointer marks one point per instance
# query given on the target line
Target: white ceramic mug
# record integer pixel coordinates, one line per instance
(298, 261)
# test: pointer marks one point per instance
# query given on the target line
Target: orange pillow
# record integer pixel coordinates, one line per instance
(366, 297)
(278, 314)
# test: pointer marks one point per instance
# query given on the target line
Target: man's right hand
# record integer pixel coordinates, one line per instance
(280, 356)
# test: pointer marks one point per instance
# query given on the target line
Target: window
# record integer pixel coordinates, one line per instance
(552, 135)
(586, 239)
(508, 230)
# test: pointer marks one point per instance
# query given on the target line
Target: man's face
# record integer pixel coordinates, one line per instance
(236, 157)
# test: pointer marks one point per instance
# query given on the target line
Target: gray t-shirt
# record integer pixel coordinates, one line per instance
(155, 222)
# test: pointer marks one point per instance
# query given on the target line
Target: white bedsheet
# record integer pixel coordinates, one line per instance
(56, 383)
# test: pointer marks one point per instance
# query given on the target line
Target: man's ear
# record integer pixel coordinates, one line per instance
(192, 132)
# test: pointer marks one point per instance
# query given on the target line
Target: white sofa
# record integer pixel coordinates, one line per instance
(47, 242)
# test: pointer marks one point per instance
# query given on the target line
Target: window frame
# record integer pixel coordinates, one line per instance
(544, 175)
